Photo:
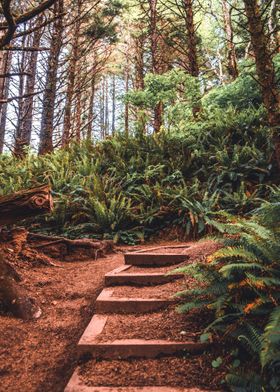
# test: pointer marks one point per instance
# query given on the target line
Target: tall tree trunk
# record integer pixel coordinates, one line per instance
(5, 65)
(156, 63)
(139, 62)
(193, 66)
(90, 108)
(71, 78)
(231, 53)
(126, 106)
(78, 112)
(106, 108)
(139, 84)
(102, 109)
(265, 69)
(22, 78)
(23, 136)
(273, 25)
(113, 127)
(49, 98)
(191, 38)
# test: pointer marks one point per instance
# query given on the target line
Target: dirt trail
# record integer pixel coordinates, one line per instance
(39, 356)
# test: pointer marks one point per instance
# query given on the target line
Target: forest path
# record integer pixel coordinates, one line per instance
(136, 341)
(40, 356)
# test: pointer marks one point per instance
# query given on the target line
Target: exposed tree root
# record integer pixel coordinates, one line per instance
(50, 245)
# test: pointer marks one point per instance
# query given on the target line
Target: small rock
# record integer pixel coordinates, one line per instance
(54, 302)
(183, 333)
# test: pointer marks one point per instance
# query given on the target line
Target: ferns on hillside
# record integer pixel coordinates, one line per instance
(241, 284)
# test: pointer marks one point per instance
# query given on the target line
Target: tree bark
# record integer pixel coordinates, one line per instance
(126, 106)
(191, 39)
(113, 127)
(90, 108)
(273, 25)
(265, 69)
(23, 136)
(49, 98)
(5, 65)
(231, 53)
(71, 78)
(24, 204)
(156, 66)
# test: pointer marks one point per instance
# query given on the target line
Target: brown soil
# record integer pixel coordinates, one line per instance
(182, 372)
(146, 270)
(196, 250)
(164, 291)
(167, 325)
(41, 355)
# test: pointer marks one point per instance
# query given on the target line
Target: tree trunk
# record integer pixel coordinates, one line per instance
(5, 65)
(90, 108)
(113, 128)
(23, 136)
(265, 69)
(47, 120)
(139, 62)
(156, 63)
(191, 39)
(231, 53)
(193, 66)
(25, 203)
(71, 78)
(126, 106)
(102, 109)
(273, 25)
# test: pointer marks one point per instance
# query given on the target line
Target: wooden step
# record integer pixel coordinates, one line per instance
(154, 259)
(121, 276)
(76, 384)
(106, 303)
(130, 348)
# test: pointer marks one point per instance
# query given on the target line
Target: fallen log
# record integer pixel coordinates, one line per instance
(24, 204)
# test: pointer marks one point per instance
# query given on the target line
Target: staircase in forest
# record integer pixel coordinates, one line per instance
(94, 342)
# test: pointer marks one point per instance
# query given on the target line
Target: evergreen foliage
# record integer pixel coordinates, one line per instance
(241, 285)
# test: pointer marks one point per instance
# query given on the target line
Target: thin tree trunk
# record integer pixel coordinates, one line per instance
(139, 62)
(5, 65)
(191, 39)
(71, 78)
(102, 117)
(156, 66)
(193, 66)
(90, 109)
(22, 78)
(265, 69)
(46, 132)
(231, 53)
(126, 107)
(113, 104)
(106, 108)
(23, 136)
(273, 25)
